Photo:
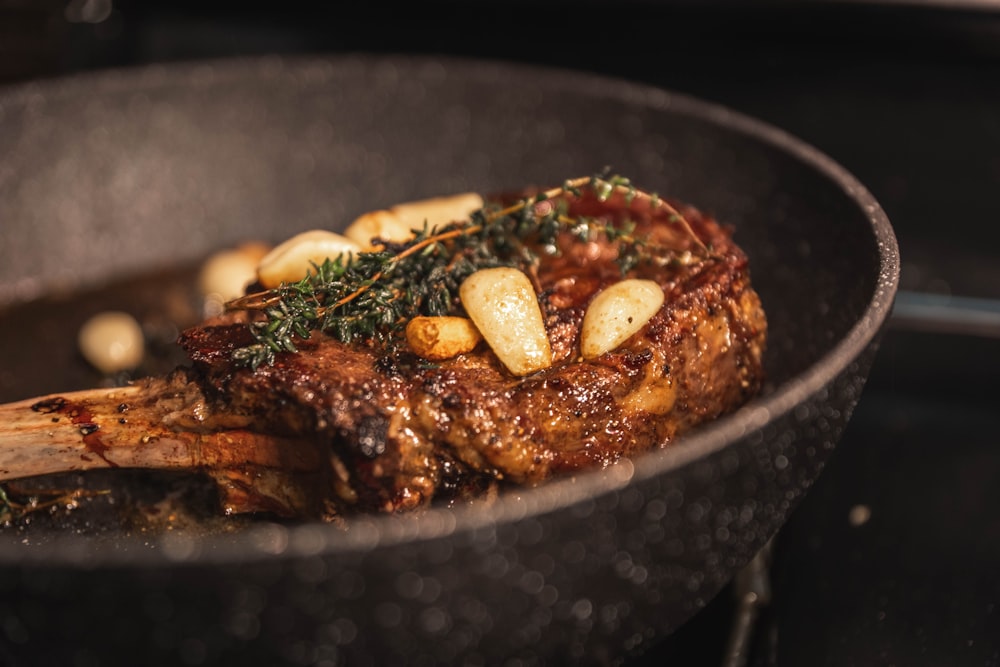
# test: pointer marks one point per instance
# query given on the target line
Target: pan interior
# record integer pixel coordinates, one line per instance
(131, 173)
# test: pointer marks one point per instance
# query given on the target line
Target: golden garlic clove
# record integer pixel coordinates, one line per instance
(398, 222)
(384, 225)
(440, 338)
(438, 210)
(503, 305)
(292, 260)
(617, 313)
(226, 273)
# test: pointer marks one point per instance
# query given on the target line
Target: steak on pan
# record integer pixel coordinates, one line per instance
(335, 424)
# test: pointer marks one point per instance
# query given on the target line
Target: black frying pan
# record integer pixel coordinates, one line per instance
(110, 174)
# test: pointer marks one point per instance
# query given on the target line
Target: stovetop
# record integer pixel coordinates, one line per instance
(893, 558)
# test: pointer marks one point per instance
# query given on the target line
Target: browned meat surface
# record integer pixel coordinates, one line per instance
(401, 432)
(337, 428)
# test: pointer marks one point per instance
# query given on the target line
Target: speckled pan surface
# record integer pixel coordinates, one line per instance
(110, 173)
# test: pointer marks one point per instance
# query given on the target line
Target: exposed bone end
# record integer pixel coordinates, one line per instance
(160, 424)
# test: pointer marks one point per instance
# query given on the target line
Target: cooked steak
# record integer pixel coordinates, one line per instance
(403, 433)
(328, 424)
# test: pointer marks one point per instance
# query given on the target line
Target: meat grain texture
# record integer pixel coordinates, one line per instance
(400, 432)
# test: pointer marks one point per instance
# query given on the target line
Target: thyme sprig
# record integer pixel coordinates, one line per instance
(371, 295)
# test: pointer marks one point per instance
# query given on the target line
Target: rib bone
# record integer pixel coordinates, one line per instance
(164, 424)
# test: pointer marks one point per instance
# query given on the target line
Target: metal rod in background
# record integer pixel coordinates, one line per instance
(942, 313)
(752, 587)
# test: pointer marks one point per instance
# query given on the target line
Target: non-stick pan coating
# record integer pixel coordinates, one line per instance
(109, 174)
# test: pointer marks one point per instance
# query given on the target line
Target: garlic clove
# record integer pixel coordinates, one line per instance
(398, 222)
(438, 210)
(226, 273)
(112, 341)
(439, 338)
(292, 260)
(384, 225)
(617, 313)
(503, 305)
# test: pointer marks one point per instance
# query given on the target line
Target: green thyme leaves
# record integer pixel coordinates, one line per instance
(371, 296)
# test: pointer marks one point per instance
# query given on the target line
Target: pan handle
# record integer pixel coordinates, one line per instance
(943, 313)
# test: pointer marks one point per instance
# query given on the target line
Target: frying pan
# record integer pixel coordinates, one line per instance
(111, 173)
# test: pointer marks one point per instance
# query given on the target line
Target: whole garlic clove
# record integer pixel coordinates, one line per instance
(440, 338)
(617, 313)
(292, 260)
(504, 307)
(382, 224)
(398, 222)
(438, 210)
(112, 341)
(226, 273)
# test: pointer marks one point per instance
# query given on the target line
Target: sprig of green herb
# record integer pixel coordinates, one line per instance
(371, 295)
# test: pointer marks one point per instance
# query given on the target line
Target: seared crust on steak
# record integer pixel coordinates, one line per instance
(402, 432)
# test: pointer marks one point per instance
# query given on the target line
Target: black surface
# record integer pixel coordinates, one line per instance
(906, 98)
(918, 582)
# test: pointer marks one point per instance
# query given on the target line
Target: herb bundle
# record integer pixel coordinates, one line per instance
(372, 295)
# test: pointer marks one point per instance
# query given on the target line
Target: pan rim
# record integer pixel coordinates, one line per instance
(270, 540)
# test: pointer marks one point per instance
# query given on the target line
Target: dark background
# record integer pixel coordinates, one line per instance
(904, 95)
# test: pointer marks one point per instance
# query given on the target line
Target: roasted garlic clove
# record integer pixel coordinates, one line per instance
(438, 210)
(398, 222)
(292, 260)
(226, 273)
(617, 313)
(439, 338)
(503, 305)
(382, 224)
(112, 341)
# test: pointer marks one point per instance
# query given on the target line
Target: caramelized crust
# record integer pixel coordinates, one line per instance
(402, 432)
